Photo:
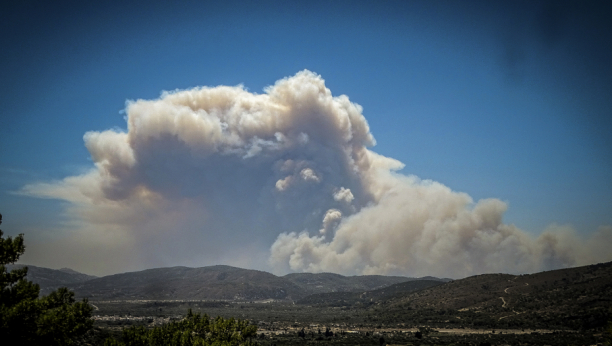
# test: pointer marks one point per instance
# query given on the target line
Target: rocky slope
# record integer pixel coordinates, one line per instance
(575, 298)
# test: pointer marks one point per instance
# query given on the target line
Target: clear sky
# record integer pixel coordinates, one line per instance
(505, 100)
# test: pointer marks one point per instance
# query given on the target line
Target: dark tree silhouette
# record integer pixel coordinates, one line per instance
(27, 319)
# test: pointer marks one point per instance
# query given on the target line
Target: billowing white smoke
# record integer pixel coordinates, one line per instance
(218, 174)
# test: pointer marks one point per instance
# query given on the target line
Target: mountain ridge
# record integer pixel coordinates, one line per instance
(315, 283)
(575, 298)
(51, 279)
(223, 282)
(217, 282)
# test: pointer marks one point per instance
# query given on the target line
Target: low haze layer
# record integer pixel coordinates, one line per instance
(284, 180)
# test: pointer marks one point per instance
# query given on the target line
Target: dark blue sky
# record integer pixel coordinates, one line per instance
(510, 100)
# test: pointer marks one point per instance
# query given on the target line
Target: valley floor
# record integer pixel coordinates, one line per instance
(279, 323)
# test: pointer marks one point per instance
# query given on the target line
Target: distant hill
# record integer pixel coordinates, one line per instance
(218, 282)
(208, 283)
(367, 298)
(52, 279)
(222, 283)
(329, 282)
(576, 298)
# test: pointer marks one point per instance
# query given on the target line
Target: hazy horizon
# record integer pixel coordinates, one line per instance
(279, 275)
(416, 139)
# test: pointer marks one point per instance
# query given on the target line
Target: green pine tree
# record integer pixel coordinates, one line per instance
(608, 334)
(27, 319)
(193, 330)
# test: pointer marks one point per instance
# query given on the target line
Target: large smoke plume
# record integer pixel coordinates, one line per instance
(285, 180)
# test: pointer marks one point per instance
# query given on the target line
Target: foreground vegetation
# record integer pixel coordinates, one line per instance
(281, 324)
(26, 319)
(194, 329)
